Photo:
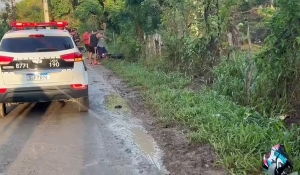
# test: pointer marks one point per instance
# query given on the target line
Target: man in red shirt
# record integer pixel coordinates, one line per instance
(86, 40)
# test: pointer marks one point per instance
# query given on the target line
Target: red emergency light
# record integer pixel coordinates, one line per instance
(39, 24)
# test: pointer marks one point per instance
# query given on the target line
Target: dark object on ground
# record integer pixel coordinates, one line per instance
(116, 56)
(118, 107)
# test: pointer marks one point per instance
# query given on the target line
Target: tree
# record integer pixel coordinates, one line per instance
(61, 9)
(90, 14)
(30, 10)
(3, 30)
(10, 9)
(279, 62)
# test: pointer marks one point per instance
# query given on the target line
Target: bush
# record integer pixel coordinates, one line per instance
(239, 79)
(239, 135)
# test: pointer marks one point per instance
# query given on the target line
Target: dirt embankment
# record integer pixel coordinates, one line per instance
(181, 157)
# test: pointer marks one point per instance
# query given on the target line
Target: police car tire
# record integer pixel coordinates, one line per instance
(83, 104)
(2, 110)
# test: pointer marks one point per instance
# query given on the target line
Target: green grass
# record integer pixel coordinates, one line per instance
(239, 135)
(111, 100)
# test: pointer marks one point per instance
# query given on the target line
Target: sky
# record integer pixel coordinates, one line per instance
(2, 5)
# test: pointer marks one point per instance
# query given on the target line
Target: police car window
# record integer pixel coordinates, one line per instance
(40, 44)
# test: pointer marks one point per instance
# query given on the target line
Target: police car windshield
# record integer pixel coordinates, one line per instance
(29, 45)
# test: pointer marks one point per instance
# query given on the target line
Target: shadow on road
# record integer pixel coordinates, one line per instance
(15, 117)
(12, 146)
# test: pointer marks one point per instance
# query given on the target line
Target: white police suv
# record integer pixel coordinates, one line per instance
(41, 64)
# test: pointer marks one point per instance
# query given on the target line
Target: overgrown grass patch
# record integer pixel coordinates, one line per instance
(239, 135)
(239, 79)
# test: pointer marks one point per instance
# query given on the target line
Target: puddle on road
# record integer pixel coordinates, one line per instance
(145, 143)
(131, 137)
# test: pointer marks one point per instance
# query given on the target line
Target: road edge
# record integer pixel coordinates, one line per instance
(180, 155)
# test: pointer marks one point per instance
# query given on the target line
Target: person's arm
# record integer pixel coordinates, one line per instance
(77, 37)
(105, 37)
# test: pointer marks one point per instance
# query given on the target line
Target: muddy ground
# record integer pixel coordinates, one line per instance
(55, 139)
(180, 156)
(118, 136)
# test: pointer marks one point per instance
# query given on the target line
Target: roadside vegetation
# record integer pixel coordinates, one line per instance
(239, 134)
(243, 54)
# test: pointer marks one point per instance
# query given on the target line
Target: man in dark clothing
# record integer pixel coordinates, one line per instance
(93, 47)
(75, 36)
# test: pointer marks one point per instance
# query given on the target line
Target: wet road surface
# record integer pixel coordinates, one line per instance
(54, 139)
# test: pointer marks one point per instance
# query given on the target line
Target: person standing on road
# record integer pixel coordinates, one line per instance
(86, 40)
(93, 48)
(101, 45)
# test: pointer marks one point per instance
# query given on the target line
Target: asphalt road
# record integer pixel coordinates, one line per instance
(54, 139)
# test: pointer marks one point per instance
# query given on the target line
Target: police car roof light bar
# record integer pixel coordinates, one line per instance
(39, 24)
